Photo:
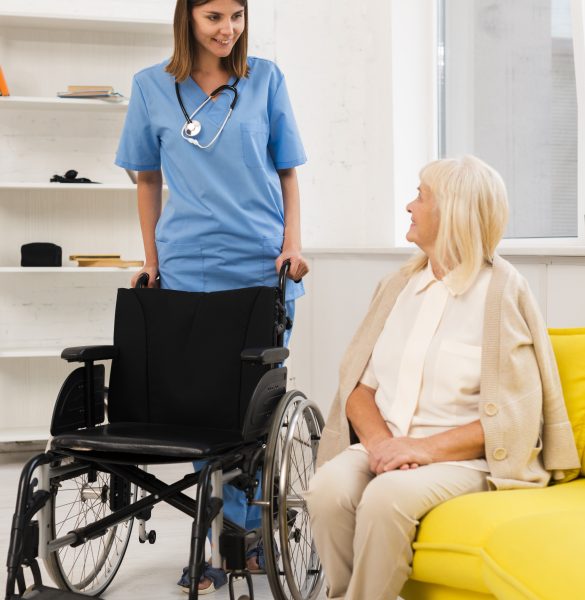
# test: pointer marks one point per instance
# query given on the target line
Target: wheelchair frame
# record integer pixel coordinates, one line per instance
(295, 428)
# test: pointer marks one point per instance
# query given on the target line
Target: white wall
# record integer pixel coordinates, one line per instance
(360, 76)
(338, 65)
(341, 284)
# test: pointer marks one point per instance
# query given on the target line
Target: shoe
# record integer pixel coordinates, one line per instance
(216, 577)
(257, 552)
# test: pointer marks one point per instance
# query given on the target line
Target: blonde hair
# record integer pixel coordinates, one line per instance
(184, 58)
(473, 212)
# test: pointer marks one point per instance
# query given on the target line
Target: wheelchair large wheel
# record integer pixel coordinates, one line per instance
(80, 495)
(292, 564)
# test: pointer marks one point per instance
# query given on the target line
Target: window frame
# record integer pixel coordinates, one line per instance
(577, 24)
(416, 34)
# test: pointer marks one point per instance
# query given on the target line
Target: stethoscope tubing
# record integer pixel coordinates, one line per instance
(189, 118)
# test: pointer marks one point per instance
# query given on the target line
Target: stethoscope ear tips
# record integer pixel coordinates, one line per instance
(193, 128)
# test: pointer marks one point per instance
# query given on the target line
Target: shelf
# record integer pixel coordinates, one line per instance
(69, 269)
(71, 187)
(24, 434)
(30, 352)
(39, 352)
(68, 104)
(109, 24)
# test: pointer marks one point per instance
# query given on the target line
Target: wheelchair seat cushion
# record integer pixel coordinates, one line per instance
(172, 441)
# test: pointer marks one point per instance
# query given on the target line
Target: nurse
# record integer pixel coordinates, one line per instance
(233, 215)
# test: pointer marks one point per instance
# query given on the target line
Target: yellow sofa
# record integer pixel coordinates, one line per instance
(516, 544)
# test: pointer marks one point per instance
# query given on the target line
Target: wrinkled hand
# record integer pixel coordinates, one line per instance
(403, 453)
(298, 265)
(152, 275)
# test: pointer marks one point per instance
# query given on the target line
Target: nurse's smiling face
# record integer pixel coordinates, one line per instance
(218, 24)
(424, 215)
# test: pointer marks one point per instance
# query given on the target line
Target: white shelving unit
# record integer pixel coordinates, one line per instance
(30, 352)
(77, 270)
(85, 23)
(70, 187)
(67, 104)
(43, 310)
(10, 435)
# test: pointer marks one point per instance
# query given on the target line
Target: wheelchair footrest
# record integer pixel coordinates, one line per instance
(40, 592)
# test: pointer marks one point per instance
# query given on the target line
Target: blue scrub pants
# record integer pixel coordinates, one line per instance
(235, 505)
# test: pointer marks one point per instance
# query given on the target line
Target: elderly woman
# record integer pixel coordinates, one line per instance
(449, 385)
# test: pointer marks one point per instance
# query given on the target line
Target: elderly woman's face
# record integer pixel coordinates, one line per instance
(425, 219)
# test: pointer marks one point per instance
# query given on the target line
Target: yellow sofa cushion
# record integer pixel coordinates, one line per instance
(569, 349)
(537, 560)
(452, 546)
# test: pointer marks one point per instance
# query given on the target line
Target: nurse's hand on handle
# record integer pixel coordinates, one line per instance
(298, 265)
(152, 276)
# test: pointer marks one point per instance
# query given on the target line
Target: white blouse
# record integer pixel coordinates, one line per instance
(426, 364)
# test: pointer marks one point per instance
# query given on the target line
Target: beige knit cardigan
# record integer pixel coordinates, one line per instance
(528, 437)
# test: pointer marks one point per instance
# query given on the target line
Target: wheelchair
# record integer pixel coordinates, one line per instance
(194, 377)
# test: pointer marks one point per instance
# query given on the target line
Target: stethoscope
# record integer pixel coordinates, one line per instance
(192, 127)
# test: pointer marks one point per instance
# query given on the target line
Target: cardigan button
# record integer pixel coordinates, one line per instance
(500, 453)
(491, 409)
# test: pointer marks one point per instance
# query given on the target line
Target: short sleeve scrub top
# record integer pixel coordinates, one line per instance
(223, 224)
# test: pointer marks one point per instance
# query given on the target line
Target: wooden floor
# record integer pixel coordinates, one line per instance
(148, 572)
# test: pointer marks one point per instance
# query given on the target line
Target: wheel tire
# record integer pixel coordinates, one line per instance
(90, 567)
(292, 564)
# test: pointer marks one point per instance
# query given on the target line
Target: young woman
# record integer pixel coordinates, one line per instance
(220, 126)
(449, 385)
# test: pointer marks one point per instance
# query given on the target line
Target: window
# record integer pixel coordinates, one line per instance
(507, 93)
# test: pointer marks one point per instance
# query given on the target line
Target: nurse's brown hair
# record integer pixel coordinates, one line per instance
(184, 58)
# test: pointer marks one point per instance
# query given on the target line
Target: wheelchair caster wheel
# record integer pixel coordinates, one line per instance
(244, 597)
(150, 536)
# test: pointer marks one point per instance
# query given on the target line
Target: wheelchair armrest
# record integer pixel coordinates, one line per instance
(89, 353)
(265, 356)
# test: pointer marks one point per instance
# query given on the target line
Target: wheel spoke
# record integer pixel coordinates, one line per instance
(76, 503)
(289, 465)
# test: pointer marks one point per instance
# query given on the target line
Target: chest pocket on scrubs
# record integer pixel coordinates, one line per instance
(457, 375)
(254, 144)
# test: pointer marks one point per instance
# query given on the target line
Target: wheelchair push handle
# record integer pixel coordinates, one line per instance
(142, 281)
(282, 275)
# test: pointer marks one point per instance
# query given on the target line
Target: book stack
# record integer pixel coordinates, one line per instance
(104, 260)
(103, 92)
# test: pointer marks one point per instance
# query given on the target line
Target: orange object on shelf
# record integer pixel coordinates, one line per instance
(3, 86)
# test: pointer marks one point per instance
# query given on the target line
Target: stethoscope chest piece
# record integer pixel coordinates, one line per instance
(193, 128)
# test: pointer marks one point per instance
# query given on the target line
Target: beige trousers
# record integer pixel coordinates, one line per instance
(363, 525)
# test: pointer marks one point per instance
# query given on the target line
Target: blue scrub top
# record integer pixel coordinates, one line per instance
(223, 224)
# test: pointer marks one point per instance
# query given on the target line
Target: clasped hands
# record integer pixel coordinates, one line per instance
(390, 453)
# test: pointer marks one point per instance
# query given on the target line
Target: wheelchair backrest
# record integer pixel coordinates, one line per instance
(179, 355)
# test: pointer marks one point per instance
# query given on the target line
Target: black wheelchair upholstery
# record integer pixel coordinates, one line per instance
(179, 388)
(193, 376)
